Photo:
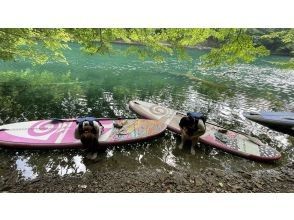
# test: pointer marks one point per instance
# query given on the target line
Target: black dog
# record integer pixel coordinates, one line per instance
(191, 129)
(89, 132)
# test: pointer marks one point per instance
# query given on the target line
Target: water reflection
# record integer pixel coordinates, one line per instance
(77, 167)
(140, 158)
(25, 169)
(168, 157)
(109, 153)
(28, 169)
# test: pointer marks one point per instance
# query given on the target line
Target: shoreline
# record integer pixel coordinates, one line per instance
(202, 46)
(144, 180)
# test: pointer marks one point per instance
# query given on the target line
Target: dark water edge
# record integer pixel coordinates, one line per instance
(103, 85)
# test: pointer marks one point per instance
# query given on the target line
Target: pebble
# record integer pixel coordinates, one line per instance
(258, 185)
(199, 182)
(82, 186)
(219, 173)
(279, 178)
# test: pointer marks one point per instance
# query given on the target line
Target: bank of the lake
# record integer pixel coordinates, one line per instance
(279, 180)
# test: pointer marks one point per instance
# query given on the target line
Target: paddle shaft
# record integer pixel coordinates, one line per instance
(72, 120)
(98, 119)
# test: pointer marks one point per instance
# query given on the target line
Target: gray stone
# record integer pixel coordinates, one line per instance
(199, 182)
(219, 173)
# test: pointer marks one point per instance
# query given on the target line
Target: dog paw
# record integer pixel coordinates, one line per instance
(181, 146)
(193, 152)
(91, 156)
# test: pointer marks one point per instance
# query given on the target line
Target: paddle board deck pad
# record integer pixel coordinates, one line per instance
(279, 121)
(226, 140)
(60, 134)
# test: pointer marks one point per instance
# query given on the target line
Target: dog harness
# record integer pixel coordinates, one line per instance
(196, 116)
(80, 122)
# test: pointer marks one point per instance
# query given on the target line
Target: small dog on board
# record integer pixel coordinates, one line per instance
(192, 127)
(88, 131)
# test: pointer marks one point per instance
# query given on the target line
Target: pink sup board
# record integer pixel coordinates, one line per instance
(226, 140)
(60, 134)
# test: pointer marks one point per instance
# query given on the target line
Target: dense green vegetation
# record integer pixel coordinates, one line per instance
(229, 45)
(280, 41)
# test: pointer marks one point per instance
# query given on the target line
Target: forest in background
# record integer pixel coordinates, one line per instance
(226, 46)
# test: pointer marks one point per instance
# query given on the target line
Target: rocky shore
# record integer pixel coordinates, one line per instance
(158, 181)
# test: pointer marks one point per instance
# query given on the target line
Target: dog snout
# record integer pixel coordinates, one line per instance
(86, 123)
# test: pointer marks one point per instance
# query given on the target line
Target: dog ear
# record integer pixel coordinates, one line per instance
(183, 122)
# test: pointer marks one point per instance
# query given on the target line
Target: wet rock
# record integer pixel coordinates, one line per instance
(199, 182)
(245, 174)
(290, 165)
(35, 180)
(279, 178)
(185, 181)
(258, 185)
(162, 178)
(236, 188)
(82, 186)
(219, 173)
(5, 188)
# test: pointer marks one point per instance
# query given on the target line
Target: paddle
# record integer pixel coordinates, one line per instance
(288, 118)
(56, 120)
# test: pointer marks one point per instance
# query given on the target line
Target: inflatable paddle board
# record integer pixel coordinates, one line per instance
(279, 121)
(226, 140)
(60, 134)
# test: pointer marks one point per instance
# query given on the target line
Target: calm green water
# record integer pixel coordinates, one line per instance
(102, 85)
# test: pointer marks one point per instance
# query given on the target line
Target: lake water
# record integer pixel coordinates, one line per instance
(102, 85)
